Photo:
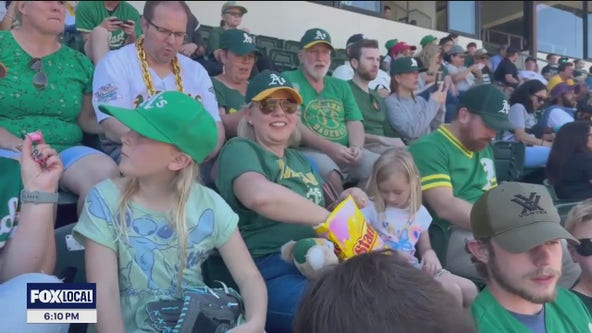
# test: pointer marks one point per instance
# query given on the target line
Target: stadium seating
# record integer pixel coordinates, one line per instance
(284, 60)
(509, 160)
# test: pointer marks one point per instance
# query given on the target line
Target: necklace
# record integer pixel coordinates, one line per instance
(146, 75)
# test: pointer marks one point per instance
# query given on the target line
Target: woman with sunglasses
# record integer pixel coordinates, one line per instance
(238, 57)
(524, 102)
(274, 190)
(569, 168)
(579, 224)
(47, 87)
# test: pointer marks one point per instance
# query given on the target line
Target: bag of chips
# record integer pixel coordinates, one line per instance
(349, 231)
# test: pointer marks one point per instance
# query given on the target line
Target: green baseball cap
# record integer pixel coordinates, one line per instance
(427, 39)
(171, 117)
(490, 103)
(405, 65)
(315, 36)
(238, 42)
(518, 216)
(233, 4)
(390, 43)
(265, 83)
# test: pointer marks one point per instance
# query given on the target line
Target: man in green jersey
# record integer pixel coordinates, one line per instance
(518, 249)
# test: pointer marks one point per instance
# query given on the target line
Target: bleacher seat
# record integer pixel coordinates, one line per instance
(284, 60)
(292, 45)
(204, 30)
(339, 57)
(268, 43)
(509, 160)
(69, 256)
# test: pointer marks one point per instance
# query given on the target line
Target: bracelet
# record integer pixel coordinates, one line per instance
(37, 197)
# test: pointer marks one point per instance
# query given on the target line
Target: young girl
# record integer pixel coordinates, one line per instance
(147, 234)
(397, 214)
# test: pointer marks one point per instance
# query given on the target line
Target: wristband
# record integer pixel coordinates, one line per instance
(37, 197)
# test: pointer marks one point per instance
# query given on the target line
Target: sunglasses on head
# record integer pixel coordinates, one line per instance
(585, 247)
(39, 79)
(269, 105)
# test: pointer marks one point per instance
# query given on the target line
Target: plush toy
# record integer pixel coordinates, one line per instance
(310, 255)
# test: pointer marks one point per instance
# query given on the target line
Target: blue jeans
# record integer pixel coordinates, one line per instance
(285, 288)
(536, 156)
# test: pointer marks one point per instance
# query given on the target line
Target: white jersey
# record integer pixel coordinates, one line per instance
(118, 81)
(346, 72)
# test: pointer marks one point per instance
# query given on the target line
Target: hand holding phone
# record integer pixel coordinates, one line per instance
(439, 79)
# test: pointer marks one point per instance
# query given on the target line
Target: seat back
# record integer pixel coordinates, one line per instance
(268, 43)
(70, 256)
(439, 232)
(292, 45)
(284, 60)
(564, 208)
(509, 160)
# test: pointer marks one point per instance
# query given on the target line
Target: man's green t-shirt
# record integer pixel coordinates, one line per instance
(443, 160)
(230, 99)
(565, 314)
(90, 14)
(326, 113)
(372, 107)
(293, 171)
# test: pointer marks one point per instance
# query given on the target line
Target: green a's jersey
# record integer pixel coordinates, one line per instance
(443, 160)
(326, 113)
(372, 107)
(293, 171)
(230, 99)
(565, 314)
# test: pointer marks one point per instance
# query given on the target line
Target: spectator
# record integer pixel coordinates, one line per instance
(453, 37)
(578, 223)
(464, 78)
(195, 48)
(470, 55)
(238, 57)
(552, 67)
(106, 25)
(274, 190)
(382, 81)
(428, 58)
(525, 101)
(561, 111)
(333, 133)
(531, 72)
(364, 58)
(518, 249)
(506, 72)
(481, 57)
(53, 83)
(565, 73)
(125, 77)
(386, 12)
(579, 64)
(409, 115)
(173, 222)
(385, 65)
(569, 168)
(7, 18)
(428, 40)
(402, 222)
(402, 49)
(446, 44)
(497, 59)
(381, 293)
(28, 254)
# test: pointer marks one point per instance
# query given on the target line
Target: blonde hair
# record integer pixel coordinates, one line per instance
(427, 55)
(184, 181)
(246, 130)
(395, 160)
(580, 213)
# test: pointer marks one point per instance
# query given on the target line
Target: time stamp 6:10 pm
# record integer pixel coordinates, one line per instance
(61, 316)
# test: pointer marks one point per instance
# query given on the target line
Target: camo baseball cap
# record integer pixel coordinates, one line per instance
(518, 216)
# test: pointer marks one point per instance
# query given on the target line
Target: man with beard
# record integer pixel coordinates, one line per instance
(562, 109)
(332, 131)
(364, 58)
(518, 249)
(128, 76)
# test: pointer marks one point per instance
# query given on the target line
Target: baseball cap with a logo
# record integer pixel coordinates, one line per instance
(238, 42)
(405, 65)
(427, 40)
(518, 216)
(174, 118)
(315, 36)
(267, 82)
(490, 103)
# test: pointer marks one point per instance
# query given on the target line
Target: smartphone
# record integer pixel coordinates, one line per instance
(439, 79)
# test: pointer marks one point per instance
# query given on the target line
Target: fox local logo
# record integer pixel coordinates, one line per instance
(58, 296)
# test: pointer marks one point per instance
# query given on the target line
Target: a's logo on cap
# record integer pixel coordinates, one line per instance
(276, 80)
(156, 101)
(413, 62)
(247, 39)
(320, 35)
(505, 107)
(530, 205)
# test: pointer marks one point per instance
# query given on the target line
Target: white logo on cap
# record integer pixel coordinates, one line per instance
(505, 108)
(248, 39)
(154, 101)
(413, 62)
(276, 80)
(320, 35)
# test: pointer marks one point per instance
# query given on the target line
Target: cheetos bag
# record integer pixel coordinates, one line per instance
(349, 231)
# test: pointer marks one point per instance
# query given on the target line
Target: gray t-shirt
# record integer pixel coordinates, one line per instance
(535, 323)
(411, 118)
(519, 118)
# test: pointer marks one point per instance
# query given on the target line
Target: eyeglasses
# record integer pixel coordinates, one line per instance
(585, 247)
(235, 14)
(163, 31)
(39, 79)
(269, 105)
